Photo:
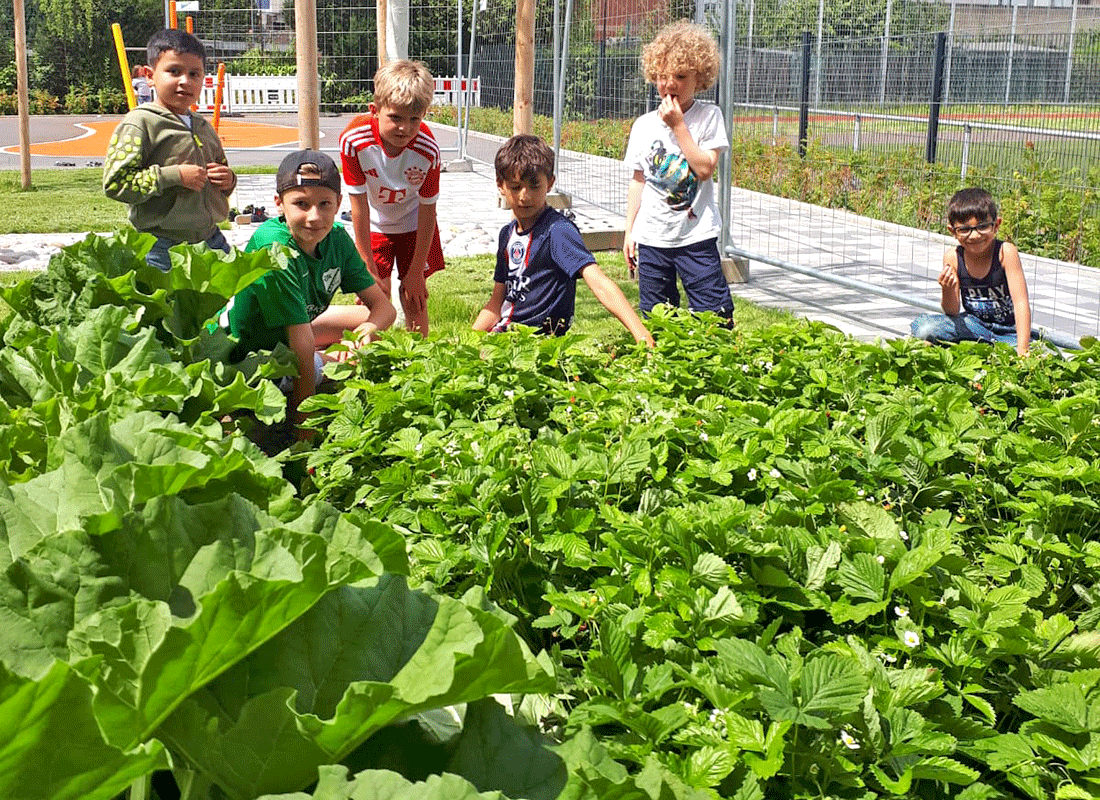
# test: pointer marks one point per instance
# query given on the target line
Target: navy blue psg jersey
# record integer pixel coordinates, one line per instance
(539, 270)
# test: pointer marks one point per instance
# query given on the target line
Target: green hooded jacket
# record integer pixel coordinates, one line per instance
(142, 169)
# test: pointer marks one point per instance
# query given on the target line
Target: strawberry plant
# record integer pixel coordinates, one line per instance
(743, 564)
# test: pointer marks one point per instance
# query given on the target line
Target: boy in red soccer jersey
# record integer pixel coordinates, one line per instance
(391, 167)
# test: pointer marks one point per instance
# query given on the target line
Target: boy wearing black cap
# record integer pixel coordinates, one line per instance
(292, 305)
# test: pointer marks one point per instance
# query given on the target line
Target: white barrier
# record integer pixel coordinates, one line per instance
(280, 93)
(447, 92)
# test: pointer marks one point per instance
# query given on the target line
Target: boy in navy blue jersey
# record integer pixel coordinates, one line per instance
(541, 254)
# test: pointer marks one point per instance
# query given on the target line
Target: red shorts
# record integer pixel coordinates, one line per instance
(390, 247)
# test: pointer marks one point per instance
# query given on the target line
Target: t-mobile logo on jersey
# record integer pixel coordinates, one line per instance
(388, 196)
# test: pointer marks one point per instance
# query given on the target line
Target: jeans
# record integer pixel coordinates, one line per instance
(963, 327)
(159, 257)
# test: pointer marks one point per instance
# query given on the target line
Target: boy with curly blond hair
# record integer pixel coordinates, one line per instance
(391, 167)
(672, 219)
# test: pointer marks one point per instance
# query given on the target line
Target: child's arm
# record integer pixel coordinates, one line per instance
(360, 226)
(633, 203)
(127, 179)
(490, 314)
(301, 342)
(613, 299)
(950, 301)
(414, 288)
(702, 162)
(382, 312)
(1017, 290)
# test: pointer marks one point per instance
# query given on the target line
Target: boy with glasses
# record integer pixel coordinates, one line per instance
(983, 290)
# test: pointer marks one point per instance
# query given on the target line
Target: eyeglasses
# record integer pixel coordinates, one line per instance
(966, 230)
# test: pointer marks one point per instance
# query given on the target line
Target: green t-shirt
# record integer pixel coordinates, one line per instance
(259, 315)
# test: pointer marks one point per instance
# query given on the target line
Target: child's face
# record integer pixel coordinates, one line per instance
(680, 84)
(310, 212)
(396, 126)
(527, 198)
(976, 235)
(177, 77)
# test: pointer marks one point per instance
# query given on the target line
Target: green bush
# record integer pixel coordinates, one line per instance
(42, 102)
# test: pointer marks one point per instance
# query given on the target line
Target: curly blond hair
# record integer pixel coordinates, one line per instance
(683, 46)
(404, 85)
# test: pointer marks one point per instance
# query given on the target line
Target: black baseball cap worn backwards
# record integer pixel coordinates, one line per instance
(290, 171)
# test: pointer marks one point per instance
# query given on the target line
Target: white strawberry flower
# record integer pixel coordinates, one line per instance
(911, 639)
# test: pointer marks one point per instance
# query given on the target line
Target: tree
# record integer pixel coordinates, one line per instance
(75, 43)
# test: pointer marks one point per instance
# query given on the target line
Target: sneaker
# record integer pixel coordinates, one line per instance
(345, 216)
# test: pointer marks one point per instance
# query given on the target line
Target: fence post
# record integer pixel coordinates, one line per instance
(937, 98)
(804, 103)
(855, 134)
(966, 152)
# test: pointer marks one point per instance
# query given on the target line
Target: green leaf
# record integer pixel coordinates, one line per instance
(1063, 705)
(832, 686)
(495, 753)
(50, 744)
(360, 659)
(862, 577)
(941, 768)
(723, 607)
(711, 570)
(917, 562)
(375, 784)
(749, 661)
(819, 562)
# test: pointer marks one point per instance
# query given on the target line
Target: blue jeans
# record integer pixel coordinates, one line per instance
(963, 327)
(158, 257)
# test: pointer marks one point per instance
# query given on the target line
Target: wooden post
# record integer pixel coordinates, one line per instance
(309, 90)
(23, 98)
(523, 111)
(381, 20)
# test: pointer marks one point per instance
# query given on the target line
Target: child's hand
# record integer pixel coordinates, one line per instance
(220, 176)
(630, 254)
(670, 112)
(414, 292)
(949, 277)
(193, 176)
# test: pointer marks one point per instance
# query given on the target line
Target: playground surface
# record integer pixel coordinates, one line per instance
(1065, 297)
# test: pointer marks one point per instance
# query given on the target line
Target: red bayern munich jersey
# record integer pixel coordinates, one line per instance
(395, 186)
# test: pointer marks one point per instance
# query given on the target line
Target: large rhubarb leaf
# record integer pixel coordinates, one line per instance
(378, 784)
(360, 659)
(136, 562)
(51, 747)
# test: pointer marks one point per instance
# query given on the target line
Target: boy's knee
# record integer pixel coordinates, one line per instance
(924, 327)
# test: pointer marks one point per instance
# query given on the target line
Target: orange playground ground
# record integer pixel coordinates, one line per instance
(93, 142)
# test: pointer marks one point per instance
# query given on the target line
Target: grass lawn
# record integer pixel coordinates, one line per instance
(64, 201)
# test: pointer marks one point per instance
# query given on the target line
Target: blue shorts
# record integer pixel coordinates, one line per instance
(699, 268)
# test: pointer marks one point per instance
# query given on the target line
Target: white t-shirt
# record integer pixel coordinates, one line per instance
(677, 209)
(395, 186)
